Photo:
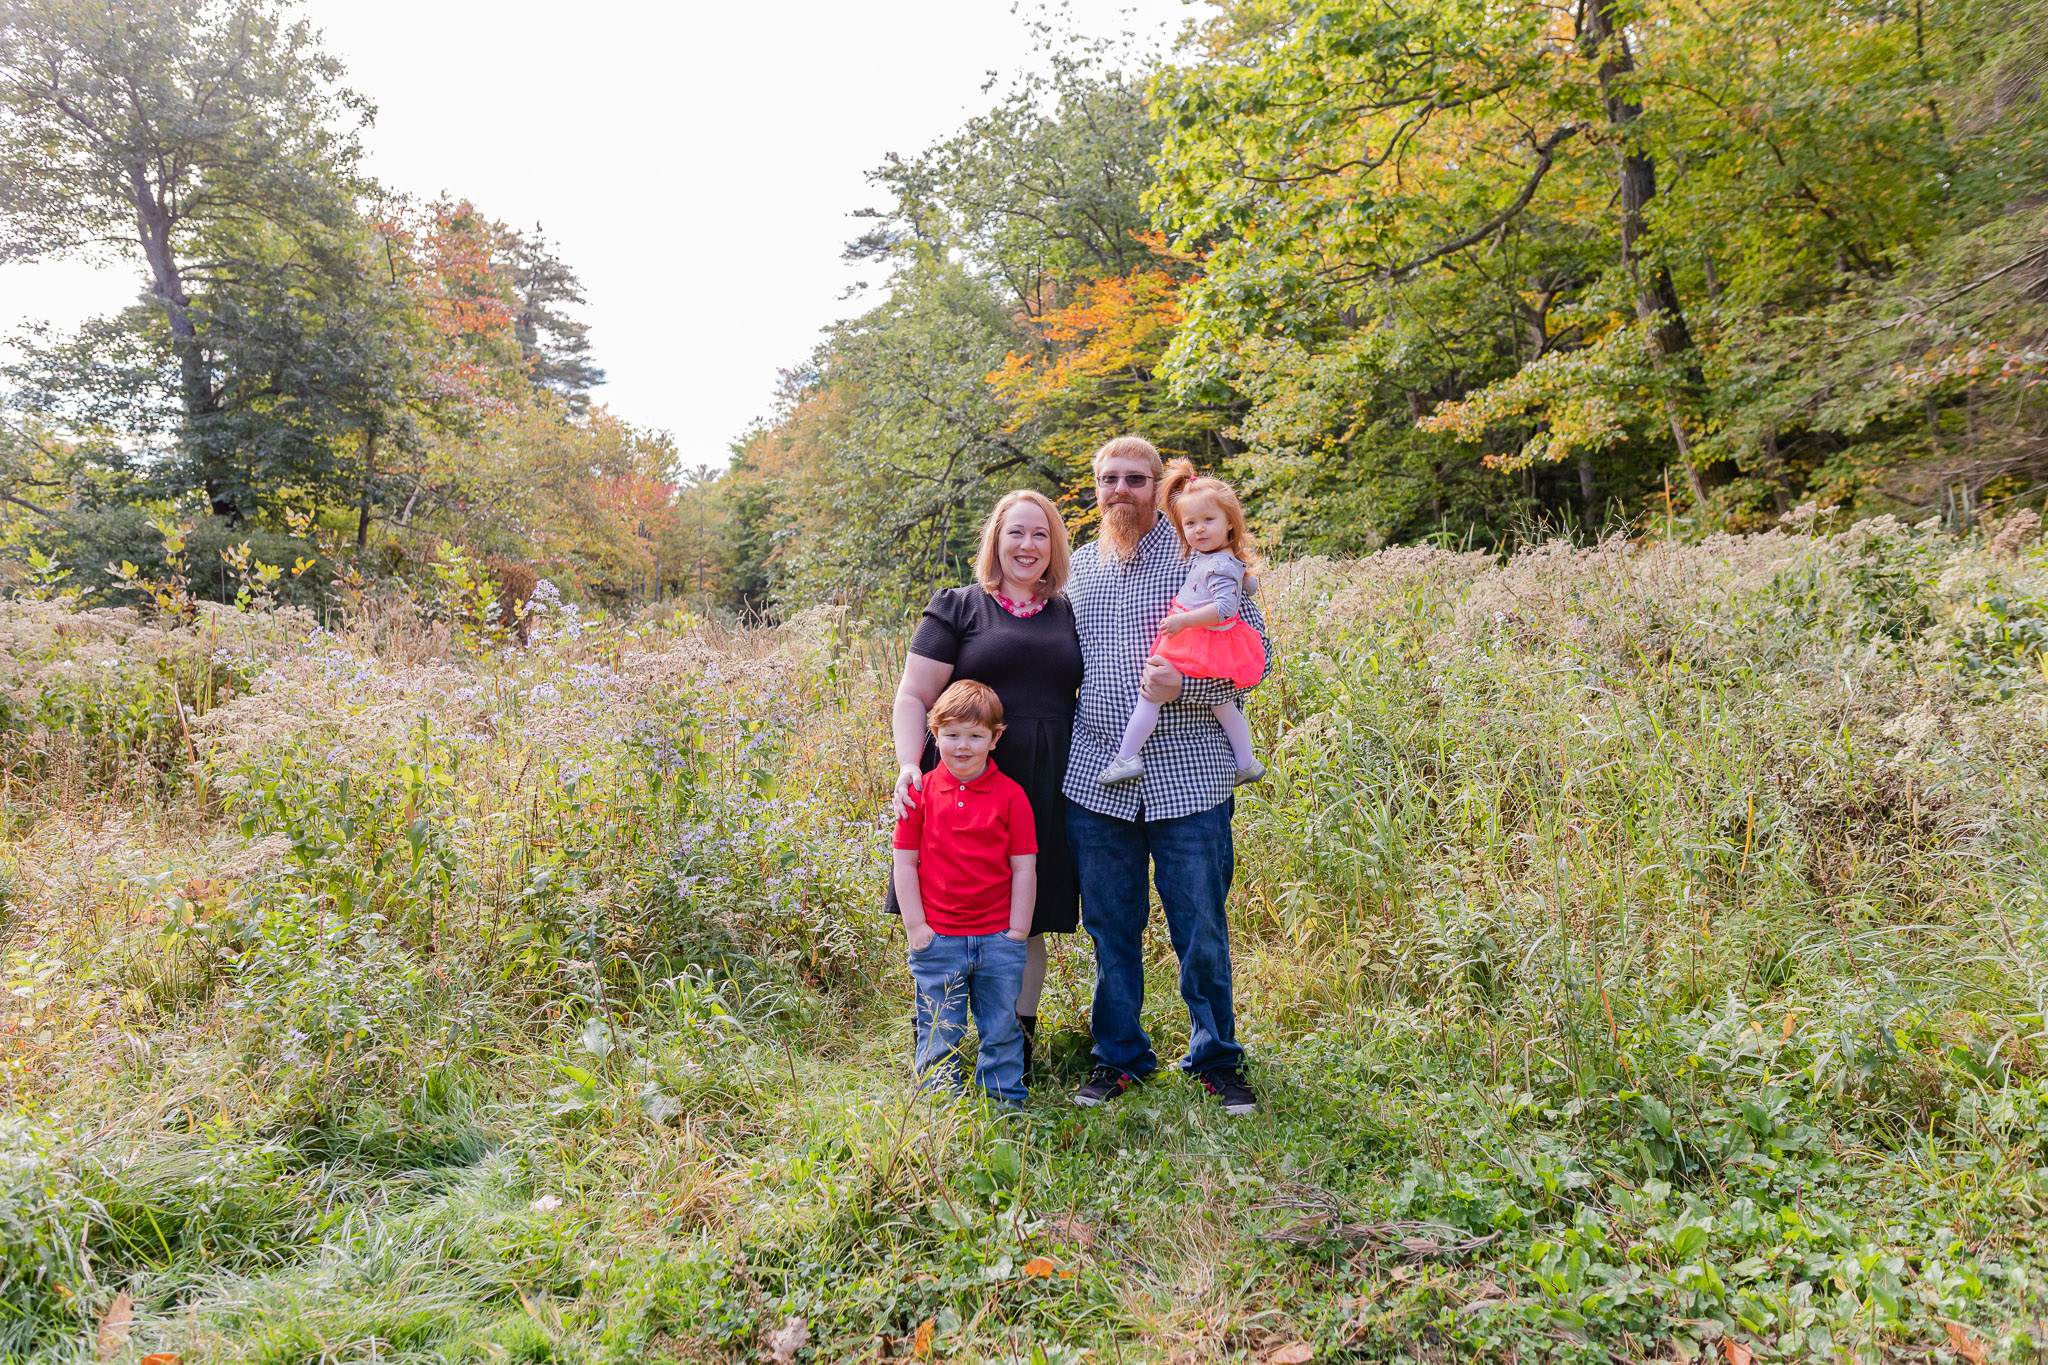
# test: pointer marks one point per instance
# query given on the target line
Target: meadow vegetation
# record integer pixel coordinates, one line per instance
(1641, 947)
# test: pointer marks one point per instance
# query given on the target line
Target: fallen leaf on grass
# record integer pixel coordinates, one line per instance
(113, 1333)
(921, 1344)
(161, 1358)
(1068, 1228)
(1299, 1353)
(1039, 1268)
(547, 1203)
(1965, 1342)
(1489, 1294)
(787, 1340)
(1736, 1353)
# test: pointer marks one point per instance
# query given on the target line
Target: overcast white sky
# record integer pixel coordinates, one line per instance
(695, 162)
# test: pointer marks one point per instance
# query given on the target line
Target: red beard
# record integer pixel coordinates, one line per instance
(1124, 525)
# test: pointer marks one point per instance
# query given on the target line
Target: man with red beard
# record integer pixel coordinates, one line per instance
(1175, 818)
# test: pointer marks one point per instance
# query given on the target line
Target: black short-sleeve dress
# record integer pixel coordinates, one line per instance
(1034, 665)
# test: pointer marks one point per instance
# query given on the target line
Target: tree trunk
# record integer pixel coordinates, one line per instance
(1655, 295)
(1684, 444)
(1774, 468)
(153, 223)
(1586, 480)
(363, 504)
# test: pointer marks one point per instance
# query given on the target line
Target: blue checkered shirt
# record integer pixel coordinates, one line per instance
(1117, 610)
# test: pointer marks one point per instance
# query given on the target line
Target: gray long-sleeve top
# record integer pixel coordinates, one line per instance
(1216, 577)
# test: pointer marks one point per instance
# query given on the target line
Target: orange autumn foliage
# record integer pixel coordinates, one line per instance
(1116, 326)
(463, 298)
(1093, 368)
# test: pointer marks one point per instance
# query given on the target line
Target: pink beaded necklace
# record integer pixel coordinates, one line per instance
(1018, 609)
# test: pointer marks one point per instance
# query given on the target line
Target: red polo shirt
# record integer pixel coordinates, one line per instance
(965, 834)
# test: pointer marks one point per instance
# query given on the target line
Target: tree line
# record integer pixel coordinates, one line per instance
(1453, 271)
(318, 367)
(1443, 270)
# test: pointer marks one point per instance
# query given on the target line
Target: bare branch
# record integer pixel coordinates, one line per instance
(1546, 156)
(43, 512)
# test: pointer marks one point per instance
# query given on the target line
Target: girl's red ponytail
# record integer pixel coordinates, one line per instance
(1179, 474)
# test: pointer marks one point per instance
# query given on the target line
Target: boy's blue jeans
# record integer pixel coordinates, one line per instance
(982, 973)
(1194, 861)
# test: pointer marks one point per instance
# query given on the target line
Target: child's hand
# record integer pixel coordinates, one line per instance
(1174, 624)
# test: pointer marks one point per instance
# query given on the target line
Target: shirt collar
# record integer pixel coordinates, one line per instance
(1162, 529)
(945, 781)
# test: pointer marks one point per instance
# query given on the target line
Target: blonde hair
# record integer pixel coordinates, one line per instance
(988, 567)
(1183, 484)
(967, 703)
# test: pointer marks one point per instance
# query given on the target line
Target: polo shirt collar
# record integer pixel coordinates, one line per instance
(945, 781)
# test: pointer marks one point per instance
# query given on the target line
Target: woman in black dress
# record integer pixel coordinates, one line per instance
(1012, 630)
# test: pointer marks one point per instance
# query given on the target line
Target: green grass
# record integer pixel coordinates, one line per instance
(1641, 951)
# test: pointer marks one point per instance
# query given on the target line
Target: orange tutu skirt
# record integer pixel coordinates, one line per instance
(1233, 651)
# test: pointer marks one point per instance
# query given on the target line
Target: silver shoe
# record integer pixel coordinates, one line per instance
(1253, 771)
(1123, 770)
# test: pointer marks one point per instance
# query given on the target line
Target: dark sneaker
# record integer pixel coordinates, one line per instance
(1105, 1083)
(1228, 1084)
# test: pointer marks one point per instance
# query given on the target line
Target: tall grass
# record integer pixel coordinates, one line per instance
(1641, 948)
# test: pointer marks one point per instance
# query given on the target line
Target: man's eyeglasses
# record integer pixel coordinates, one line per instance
(1133, 481)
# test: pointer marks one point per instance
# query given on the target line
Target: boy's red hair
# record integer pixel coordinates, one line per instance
(967, 703)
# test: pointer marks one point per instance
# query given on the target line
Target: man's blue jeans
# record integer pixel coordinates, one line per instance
(1194, 862)
(982, 973)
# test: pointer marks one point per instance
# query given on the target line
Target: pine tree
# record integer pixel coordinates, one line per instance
(555, 344)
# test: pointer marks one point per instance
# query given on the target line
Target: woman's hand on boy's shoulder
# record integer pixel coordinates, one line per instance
(909, 779)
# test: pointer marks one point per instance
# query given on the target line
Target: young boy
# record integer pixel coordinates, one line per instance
(966, 858)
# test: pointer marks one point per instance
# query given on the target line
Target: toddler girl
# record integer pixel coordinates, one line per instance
(1204, 637)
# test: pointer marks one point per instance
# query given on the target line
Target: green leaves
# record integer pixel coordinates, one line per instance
(578, 1091)
(1447, 173)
